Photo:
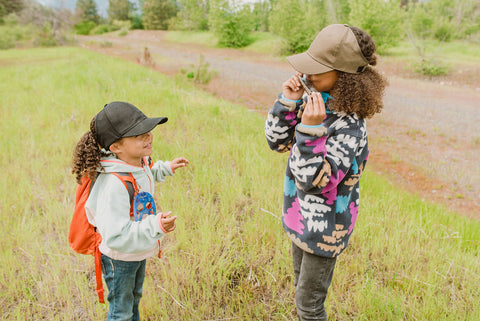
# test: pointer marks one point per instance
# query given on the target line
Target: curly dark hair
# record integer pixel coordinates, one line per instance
(360, 93)
(87, 154)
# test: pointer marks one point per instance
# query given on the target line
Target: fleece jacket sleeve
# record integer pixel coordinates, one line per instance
(160, 170)
(281, 122)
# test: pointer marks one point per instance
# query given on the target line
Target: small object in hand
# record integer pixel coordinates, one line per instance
(304, 85)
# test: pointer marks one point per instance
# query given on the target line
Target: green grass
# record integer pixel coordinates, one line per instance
(204, 38)
(228, 258)
(265, 42)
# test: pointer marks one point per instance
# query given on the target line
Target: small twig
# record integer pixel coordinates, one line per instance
(27, 253)
(264, 210)
(416, 280)
(270, 274)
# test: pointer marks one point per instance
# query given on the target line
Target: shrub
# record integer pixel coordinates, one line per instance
(123, 32)
(44, 36)
(199, 73)
(7, 39)
(157, 13)
(13, 35)
(137, 22)
(381, 19)
(116, 25)
(297, 22)
(84, 27)
(231, 25)
(100, 29)
(443, 31)
(431, 67)
(233, 32)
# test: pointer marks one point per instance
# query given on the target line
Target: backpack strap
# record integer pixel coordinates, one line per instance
(147, 160)
(130, 184)
(98, 274)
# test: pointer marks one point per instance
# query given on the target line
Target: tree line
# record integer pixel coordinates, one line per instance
(295, 21)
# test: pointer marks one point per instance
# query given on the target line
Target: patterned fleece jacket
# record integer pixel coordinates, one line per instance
(321, 189)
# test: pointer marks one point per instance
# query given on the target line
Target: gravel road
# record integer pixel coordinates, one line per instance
(426, 139)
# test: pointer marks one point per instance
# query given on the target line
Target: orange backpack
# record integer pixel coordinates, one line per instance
(83, 237)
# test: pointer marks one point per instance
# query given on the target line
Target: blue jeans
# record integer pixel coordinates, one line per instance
(313, 276)
(125, 284)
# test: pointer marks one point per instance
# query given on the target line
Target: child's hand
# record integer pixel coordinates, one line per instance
(292, 89)
(168, 223)
(314, 113)
(178, 162)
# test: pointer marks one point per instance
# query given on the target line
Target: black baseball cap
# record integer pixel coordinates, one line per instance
(119, 119)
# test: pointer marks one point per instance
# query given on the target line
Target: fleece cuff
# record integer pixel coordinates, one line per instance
(290, 104)
(318, 130)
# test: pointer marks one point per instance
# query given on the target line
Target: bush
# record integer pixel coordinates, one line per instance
(443, 31)
(157, 13)
(84, 27)
(12, 35)
(44, 36)
(231, 25)
(136, 21)
(199, 73)
(431, 67)
(121, 24)
(7, 40)
(233, 32)
(11, 20)
(380, 19)
(297, 23)
(100, 29)
(116, 25)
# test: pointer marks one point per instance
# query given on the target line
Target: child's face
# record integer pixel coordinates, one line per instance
(323, 82)
(132, 149)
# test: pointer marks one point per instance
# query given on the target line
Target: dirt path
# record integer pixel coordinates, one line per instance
(426, 139)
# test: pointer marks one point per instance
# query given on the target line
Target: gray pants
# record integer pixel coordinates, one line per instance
(313, 275)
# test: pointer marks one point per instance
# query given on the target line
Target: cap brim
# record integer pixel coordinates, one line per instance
(305, 64)
(145, 126)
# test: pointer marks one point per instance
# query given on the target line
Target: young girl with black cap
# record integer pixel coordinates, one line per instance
(326, 135)
(120, 141)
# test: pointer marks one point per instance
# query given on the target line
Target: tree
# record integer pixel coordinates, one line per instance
(192, 15)
(120, 9)
(379, 18)
(260, 13)
(297, 22)
(157, 13)
(232, 25)
(87, 11)
(10, 6)
(448, 18)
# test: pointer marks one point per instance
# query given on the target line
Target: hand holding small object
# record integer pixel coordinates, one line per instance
(314, 113)
(292, 88)
(168, 223)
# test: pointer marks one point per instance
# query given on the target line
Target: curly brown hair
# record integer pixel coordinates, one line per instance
(360, 93)
(87, 154)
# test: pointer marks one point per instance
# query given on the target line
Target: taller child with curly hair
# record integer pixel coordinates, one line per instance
(326, 135)
(120, 141)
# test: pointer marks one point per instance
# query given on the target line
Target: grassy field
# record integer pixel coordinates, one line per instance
(229, 258)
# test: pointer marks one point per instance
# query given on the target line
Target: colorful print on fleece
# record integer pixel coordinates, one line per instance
(321, 186)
